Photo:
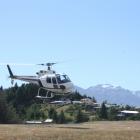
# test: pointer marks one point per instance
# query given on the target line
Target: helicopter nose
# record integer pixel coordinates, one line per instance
(71, 87)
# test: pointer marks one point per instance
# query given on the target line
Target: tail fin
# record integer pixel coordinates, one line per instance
(10, 72)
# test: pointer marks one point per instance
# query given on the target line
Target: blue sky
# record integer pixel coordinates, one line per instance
(98, 40)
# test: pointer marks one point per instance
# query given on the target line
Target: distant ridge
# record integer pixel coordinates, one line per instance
(112, 94)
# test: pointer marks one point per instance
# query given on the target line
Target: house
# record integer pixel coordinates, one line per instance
(61, 102)
(87, 101)
(76, 102)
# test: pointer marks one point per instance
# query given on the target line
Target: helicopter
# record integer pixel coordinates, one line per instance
(50, 81)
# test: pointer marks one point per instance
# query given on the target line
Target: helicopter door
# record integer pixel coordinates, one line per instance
(49, 82)
(54, 82)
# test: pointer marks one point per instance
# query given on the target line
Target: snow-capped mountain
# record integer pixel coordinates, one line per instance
(112, 94)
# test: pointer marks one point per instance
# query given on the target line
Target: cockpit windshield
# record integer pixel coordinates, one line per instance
(62, 79)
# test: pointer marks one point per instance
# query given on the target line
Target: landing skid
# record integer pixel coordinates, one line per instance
(47, 95)
(50, 96)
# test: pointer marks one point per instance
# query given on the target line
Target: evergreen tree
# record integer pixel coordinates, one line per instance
(3, 109)
(93, 99)
(112, 113)
(34, 112)
(55, 117)
(85, 96)
(127, 107)
(12, 116)
(103, 112)
(1, 89)
(52, 114)
(76, 96)
(61, 118)
(79, 116)
(7, 112)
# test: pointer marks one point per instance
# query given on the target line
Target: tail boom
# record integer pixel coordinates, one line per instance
(10, 72)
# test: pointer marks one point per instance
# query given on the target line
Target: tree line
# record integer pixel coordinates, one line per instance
(18, 104)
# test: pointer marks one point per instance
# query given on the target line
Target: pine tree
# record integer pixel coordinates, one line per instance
(7, 112)
(79, 116)
(61, 118)
(52, 114)
(112, 113)
(1, 89)
(93, 99)
(103, 111)
(55, 117)
(3, 109)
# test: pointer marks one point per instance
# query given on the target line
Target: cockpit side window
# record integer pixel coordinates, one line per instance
(54, 80)
(62, 79)
(67, 78)
(58, 79)
(49, 80)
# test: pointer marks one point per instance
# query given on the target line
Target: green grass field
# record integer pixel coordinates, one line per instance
(121, 130)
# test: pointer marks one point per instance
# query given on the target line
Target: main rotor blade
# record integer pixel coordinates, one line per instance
(47, 64)
(16, 64)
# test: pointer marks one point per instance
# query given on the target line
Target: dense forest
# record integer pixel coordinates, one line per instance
(19, 104)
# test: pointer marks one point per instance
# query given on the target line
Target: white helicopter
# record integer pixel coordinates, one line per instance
(48, 80)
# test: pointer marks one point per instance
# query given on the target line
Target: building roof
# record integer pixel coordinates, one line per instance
(129, 112)
(48, 121)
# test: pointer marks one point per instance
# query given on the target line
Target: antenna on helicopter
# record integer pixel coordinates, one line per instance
(49, 65)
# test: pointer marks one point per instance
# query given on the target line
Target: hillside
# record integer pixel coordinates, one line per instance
(19, 103)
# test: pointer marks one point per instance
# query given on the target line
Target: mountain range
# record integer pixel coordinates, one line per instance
(112, 94)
